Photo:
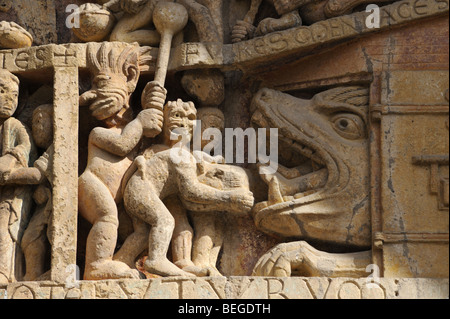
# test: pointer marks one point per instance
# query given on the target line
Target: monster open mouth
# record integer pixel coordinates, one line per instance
(313, 170)
(311, 178)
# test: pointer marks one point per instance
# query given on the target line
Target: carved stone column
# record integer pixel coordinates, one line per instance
(65, 165)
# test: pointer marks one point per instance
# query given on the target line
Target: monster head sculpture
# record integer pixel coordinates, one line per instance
(115, 71)
(324, 140)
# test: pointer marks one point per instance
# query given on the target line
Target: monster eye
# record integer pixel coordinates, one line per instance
(349, 126)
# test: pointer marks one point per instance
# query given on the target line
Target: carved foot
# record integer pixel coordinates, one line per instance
(213, 272)
(110, 270)
(203, 272)
(165, 268)
(287, 21)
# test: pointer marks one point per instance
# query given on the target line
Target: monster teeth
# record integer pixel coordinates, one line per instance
(315, 166)
(309, 153)
(318, 160)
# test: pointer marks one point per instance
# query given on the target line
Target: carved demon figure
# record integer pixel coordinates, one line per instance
(321, 194)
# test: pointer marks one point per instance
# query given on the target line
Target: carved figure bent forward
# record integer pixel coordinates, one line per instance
(168, 173)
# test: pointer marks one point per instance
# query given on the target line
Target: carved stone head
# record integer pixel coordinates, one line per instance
(327, 139)
(9, 94)
(42, 126)
(115, 71)
(179, 119)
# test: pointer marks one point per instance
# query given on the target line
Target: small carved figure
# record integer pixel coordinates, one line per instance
(292, 14)
(207, 17)
(208, 236)
(16, 150)
(36, 234)
(183, 233)
(198, 258)
(137, 14)
(168, 173)
(112, 150)
(325, 196)
(13, 36)
(97, 21)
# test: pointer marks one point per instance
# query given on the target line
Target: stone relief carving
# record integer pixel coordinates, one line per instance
(111, 151)
(37, 233)
(13, 36)
(292, 14)
(327, 148)
(158, 206)
(98, 21)
(17, 152)
(162, 176)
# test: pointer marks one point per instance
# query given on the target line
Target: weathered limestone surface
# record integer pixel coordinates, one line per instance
(108, 191)
(233, 288)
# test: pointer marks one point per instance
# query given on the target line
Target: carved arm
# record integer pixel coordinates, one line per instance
(118, 144)
(192, 190)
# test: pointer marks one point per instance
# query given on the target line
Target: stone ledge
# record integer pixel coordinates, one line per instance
(233, 288)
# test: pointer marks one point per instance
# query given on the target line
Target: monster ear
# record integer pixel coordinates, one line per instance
(132, 77)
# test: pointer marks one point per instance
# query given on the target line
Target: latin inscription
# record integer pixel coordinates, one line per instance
(337, 29)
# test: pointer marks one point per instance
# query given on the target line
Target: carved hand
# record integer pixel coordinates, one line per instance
(241, 200)
(242, 31)
(7, 163)
(154, 96)
(152, 121)
(42, 164)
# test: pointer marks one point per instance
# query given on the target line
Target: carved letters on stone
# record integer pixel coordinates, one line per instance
(112, 206)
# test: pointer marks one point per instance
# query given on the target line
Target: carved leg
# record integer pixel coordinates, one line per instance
(203, 20)
(34, 246)
(207, 242)
(286, 6)
(145, 204)
(134, 245)
(287, 21)
(127, 29)
(302, 259)
(335, 8)
(182, 234)
(6, 244)
(244, 29)
(98, 207)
